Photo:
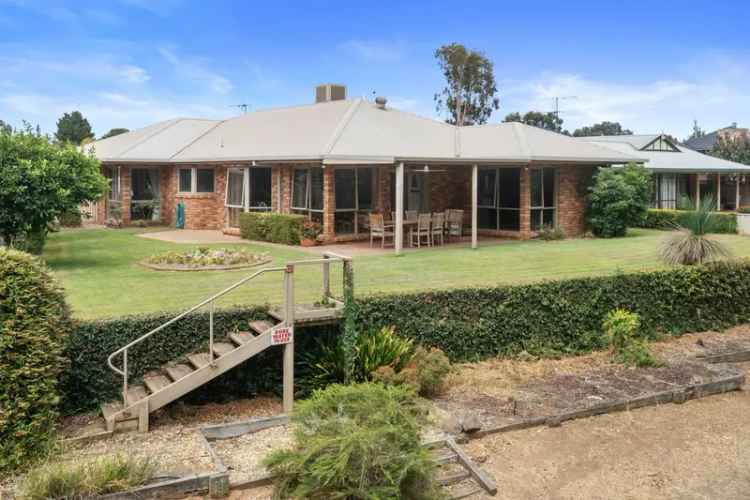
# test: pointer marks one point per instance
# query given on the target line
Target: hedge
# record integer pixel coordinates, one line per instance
(545, 319)
(273, 227)
(657, 218)
(91, 382)
(563, 317)
(34, 324)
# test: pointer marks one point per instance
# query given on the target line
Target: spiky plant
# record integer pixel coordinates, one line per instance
(690, 243)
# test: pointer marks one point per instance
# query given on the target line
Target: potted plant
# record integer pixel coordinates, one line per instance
(310, 232)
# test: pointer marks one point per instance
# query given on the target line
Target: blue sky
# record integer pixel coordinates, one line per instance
(653, 66)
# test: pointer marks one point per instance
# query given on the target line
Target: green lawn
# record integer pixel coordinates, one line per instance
(99, 269)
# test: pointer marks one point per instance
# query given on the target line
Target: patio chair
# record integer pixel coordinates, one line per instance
(411, 215)
(379, 229)
(455, 224)
(422, 231)
(438, 228)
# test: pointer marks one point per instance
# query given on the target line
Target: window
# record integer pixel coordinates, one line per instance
(665, 191)
(354, 198)
(543, 197)
(499, 198)
(113, 174)
(307, 192)
(248, 190)
(196, 180)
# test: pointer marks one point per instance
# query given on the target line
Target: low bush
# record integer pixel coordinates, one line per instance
(621, 328)
(359, 441)
(563, 317)
(656, 218)
(426, 372)
(35, 323)
(68, 480)
(204, 256)
(276, 228)
(72, 218)
(551, 233)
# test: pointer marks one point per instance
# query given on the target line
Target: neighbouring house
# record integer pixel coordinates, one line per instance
(683, 176)
(338, 160)
(705, 143)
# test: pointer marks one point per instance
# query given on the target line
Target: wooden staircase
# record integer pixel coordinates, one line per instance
(176, 379)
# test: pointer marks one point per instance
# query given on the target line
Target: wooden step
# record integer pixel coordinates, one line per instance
(260, 326)
(111, 409)
(156, 382)
(221, 348)
(240, 338)
(176, 372)
(135, 394)
(199, 359)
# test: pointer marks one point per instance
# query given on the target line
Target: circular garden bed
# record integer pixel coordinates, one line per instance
(205, 259)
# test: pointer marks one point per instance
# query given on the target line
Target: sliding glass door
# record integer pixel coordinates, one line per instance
(499, 198)
(248, 190)
(144, 200)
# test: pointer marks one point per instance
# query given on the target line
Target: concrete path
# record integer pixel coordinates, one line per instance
(192, 236)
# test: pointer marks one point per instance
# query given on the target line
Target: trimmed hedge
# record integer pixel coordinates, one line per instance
(657, 218)
(34, 324)
(273, 227)
(564, 317)
(91, 382)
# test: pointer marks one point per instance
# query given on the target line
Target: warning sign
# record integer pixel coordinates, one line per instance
(282, 335)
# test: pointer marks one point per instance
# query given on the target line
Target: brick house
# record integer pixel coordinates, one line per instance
(337, 160)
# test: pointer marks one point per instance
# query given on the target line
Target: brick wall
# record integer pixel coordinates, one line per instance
(329, 204)
(204, 210)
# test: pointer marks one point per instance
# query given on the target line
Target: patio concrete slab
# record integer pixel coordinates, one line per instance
(192, 236)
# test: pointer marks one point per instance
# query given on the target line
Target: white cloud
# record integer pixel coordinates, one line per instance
(195, 69)
(374, 51)
(134, 74)
(714, 96)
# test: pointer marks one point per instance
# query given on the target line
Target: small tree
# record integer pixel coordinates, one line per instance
(547, 121)
(735, 149)
(603, 128)
(618, 198)
(39, 181)
(469, 94)
(5, 128)
(690, 243)
(115, 131)
(73, 128)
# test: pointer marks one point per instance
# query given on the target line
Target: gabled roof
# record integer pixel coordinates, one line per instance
(705, 142)
(351, 131)
(683, 160)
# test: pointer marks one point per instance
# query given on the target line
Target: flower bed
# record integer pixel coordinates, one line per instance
(205, 259)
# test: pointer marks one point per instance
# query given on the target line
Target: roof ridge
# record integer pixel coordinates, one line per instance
(339, 130)
(175, 121)
(195, 139)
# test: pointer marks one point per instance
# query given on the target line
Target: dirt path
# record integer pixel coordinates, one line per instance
(699, 450)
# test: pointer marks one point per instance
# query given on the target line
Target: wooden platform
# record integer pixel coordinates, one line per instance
(312, 314)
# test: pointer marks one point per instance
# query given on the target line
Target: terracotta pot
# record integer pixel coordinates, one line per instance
(307, 242)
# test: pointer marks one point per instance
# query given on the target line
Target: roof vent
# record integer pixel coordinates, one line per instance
(380, 102)
(328, 92)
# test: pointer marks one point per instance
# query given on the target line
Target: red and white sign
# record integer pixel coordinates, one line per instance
(282, 335)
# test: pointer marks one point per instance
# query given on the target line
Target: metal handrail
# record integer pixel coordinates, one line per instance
(328, 257)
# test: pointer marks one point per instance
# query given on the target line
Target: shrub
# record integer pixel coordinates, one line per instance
(204, 256)
(358, 441)
(71, 218)
(67, 480)
(551, 233)
(563, 317)
(426, 372)
(35, 324)
(618, 198)
(724, 223)
(690, 243)
(621, 328)
(276, 228)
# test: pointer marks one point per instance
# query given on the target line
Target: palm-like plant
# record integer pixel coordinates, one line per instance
(690, 243)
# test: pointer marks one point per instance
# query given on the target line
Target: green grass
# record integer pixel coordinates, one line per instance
(99, 269)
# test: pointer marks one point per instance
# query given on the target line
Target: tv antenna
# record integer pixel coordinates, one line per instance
(243, 107)
(557, 100)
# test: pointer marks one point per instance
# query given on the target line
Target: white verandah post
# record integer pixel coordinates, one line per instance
(474, 204)
(288, 391)
(398, 236)
(718, 192)
(737, 192)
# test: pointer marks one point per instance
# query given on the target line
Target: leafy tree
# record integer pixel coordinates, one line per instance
(39, 181)
(547, 121)
(603, 128)
(690, 243)
(5, 128)
(115, 131)
(732, 149)
(618, 198)
(73, 128)
(697, 131)
(469, 94)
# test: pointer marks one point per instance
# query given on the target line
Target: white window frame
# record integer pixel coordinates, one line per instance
(308, 192)
(543, 207)
(194, 180)
(246, 191)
